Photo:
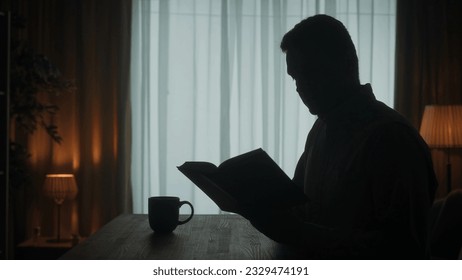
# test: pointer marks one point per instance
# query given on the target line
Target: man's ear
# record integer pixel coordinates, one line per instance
(349, 65)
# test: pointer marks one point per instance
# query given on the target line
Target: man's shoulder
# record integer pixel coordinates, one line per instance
(374, 112)
(383, 117)
(390, 127)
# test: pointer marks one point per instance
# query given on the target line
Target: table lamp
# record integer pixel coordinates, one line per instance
(441, 128)
(60, 187)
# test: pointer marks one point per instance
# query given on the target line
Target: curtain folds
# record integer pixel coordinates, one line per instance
(89, 41)
(429, 68)
(428, 57)
(208, 82)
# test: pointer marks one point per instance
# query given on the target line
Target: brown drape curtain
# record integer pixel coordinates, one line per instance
(89, 41)
(429, 67)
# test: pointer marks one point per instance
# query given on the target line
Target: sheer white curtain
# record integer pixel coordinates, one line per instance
(208, 82)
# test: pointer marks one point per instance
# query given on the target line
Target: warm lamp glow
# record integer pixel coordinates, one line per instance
(60, 187)
(442, 126)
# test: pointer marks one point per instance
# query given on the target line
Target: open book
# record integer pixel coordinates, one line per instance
(245, 182)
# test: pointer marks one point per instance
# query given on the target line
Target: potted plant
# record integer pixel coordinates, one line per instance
(32, 77)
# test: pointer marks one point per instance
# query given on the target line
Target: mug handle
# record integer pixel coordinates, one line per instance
(190, 216)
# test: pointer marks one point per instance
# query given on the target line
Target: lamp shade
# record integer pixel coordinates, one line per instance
(60, 187)
(442, 126)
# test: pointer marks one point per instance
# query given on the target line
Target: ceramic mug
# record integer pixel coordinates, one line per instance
(164, 213)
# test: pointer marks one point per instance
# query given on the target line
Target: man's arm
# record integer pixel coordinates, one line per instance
(400, 175)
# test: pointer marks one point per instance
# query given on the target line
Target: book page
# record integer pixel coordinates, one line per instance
(246, 181)
(197, 172)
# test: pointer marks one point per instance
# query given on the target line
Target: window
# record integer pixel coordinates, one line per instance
(208, 81)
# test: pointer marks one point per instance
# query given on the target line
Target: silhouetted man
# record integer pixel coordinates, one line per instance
(366, 171)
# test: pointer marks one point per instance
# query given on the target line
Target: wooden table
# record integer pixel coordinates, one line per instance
(205, 237)
(39, 248)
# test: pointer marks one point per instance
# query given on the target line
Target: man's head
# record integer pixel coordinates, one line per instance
(322, 59)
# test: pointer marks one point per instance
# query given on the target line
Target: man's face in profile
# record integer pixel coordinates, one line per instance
(317, 88)
(307, 87)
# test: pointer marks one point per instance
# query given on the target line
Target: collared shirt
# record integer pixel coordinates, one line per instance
(370, 182)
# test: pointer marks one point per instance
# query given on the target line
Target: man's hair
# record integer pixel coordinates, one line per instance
(326, 42)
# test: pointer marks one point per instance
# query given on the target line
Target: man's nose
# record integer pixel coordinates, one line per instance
(297, 86)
